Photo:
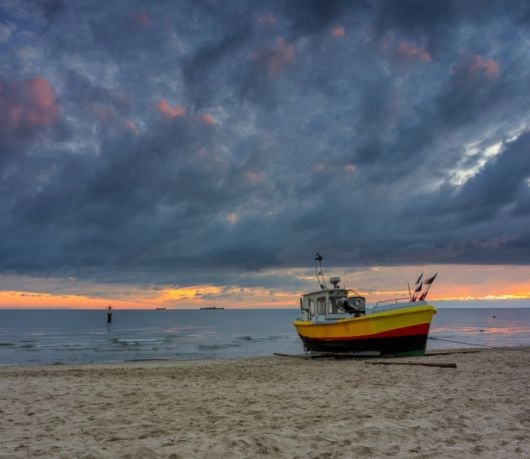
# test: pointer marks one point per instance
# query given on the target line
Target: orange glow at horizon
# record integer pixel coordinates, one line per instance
(228, 297)
(378, 283)
(466, 292)
(193, 293)
(30, 300)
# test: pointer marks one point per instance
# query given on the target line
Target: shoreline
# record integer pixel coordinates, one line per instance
(472, 348)
(271, 406)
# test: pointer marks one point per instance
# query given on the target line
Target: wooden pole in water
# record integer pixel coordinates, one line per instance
(109, 314)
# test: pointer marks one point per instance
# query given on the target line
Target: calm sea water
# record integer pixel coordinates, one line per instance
(82, 336)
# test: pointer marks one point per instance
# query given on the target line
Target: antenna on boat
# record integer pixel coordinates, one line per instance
(318, 272)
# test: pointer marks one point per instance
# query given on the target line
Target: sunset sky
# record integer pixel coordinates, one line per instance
(199, 152)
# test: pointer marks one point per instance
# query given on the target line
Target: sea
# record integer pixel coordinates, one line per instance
(39, 336)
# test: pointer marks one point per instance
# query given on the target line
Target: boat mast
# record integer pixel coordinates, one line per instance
(318, 272)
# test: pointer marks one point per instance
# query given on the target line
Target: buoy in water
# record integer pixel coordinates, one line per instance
(109, 314)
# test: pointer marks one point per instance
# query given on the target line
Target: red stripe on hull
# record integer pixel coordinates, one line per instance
(422, 329)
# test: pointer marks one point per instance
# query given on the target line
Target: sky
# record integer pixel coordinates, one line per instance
(199, 152)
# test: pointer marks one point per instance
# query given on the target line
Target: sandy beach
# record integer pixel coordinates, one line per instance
(271, 407)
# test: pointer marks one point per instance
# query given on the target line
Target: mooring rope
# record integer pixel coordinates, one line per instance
(461, 342)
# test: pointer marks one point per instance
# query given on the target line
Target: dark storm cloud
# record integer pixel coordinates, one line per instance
(200, 70)
(312, 16)
(53, 8)
(417, 18)
(146, 138)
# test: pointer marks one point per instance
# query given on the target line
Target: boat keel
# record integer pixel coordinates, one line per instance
(406, 345)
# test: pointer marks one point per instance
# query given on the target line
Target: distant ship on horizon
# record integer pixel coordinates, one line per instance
(211, 307)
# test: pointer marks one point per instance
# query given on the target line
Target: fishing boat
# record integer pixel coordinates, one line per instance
(335, 319)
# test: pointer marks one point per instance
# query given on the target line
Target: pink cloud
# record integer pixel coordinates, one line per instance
(132, 126)
(232, 218)
(171, 112)
(411, 52)
(476, 66)
(488, 67)
(338, 32)
(27, 104)
(206, 118)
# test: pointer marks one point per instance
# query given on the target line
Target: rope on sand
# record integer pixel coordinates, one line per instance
(514, 348)
(461, 342)
(425, 364)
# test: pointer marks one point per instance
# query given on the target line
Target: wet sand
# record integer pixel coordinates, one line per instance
(277, 407)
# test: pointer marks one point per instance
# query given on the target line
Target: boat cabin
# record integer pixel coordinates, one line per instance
(332, 304)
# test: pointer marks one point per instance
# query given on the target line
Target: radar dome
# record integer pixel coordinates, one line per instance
(335, 281)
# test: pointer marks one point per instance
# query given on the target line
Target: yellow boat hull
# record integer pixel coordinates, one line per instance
(397, 331)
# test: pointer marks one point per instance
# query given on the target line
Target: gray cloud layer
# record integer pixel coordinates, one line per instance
(148, 138)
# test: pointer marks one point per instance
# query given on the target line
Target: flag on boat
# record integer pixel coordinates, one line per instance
(428, 283)
(430, 280)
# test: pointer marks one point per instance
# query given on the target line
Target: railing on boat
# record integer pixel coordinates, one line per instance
(392, 301)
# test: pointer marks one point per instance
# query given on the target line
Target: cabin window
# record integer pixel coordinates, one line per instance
(321, 305)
